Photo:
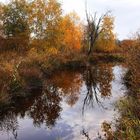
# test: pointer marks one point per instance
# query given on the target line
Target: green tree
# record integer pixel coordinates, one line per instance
(106, 40)
(45, 22)
(14, 19)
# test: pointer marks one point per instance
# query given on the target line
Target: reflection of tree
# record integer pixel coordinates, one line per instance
(84, 133)
(72, 98)
(46, 108)
(90, 77)
(98, 82)
(18, 107)
(69, 82)
(105, 76)
(8, 123)
(42, 107)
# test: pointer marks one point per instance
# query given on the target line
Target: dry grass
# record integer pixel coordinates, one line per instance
(128, 125)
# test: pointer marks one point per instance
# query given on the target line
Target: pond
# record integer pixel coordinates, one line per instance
(72, 105)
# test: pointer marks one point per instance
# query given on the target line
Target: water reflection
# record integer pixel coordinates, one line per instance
(105, 76)
(46, 108)
(55, 111)
(98, 83)
(84, 133)
(9, 123)
(68, 83)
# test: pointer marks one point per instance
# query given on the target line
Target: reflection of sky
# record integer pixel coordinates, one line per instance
(72, 122)
(93, 117)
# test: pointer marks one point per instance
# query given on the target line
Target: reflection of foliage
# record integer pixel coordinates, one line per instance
(8, 123)
(104, 78)
(69, 83)
(5, 79)
(41, 107)
(98, 81)
(92, 88)
(46, 108)
(106, 127)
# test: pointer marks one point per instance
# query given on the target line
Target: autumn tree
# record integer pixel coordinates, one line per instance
(37, 12)
(45, 17)
(14, 19)
(106, 40)
(93, 30)
(53, 30)
(72, 33)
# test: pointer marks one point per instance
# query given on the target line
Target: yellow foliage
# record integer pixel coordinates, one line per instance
(106, 41)
(52, 51)
(72, 32)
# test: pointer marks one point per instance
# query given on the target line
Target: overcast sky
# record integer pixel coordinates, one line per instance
(126, 12)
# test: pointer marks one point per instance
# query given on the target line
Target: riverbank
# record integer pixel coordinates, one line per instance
(128, 125)
(19, 73)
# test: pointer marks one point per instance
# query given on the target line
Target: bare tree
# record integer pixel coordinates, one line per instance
(94, 28)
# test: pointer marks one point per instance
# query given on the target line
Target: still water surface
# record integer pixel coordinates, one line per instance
(71, 106)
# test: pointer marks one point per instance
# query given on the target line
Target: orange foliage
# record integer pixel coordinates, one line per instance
(69, 83)
(72, 32)
(127, 43)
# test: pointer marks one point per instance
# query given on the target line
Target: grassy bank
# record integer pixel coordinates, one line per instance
(128, 125)
(20, 73)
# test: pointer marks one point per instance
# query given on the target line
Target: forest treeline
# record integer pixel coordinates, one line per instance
(42, 25)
